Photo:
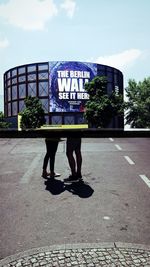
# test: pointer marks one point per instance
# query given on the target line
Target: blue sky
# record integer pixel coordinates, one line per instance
(111, 32)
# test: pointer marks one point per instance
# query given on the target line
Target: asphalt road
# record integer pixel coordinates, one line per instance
(111, 206)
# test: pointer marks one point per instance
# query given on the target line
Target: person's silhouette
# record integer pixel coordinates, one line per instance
(51, 148)
(75, 163)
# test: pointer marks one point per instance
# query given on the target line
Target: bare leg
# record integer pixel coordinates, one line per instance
(72, 162)
(52, 156)
(79, 161)
(51, 148)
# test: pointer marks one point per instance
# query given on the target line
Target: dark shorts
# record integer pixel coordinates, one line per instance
(73, 144)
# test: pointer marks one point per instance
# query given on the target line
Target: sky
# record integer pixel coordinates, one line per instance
(109, 32)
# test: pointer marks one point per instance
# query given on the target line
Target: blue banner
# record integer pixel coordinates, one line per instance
(67, 80)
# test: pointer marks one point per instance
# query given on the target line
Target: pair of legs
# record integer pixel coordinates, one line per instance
(75, 163)
(51, 148)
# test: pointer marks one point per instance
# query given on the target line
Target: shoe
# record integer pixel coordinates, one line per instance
(79, 175)
(44, 174)
(71, 179)
(52, 175)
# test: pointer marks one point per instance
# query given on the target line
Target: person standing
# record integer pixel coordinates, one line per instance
(51, 149)
(74, 146)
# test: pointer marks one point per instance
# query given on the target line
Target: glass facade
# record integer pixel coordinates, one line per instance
(35, 80)
(23, 81)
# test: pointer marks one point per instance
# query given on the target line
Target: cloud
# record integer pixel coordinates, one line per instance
(69, 6)
(4, 43)
(121, 60)
(27, 14)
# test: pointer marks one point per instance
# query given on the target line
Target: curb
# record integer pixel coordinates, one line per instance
(76, 248)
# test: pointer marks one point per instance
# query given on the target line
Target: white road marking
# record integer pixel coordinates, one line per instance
(130, 161)
(145, 179)
(111, 139)
(26, 177)
(118, 147)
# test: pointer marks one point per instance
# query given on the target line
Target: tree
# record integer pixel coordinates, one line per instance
(33, 114)
(3, 123)
(138, 103)
(101, 107)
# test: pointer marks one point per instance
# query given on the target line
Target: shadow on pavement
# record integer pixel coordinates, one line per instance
(56, 187)
(83, 190)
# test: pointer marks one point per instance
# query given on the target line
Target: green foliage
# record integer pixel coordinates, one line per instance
(3, 123)
(33, 114)
(101, 107)
(138, 103)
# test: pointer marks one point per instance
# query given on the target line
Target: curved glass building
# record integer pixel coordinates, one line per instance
(60, 87)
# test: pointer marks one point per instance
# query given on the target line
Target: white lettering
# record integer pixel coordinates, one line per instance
(71, 85)
(72, 95)
(63, 95)
(64, 84)
(82, 96)
(79, 74)
(63, 73)
(74, 85)
(81, 84)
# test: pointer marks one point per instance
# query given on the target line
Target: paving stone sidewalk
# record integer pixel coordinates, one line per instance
(83, 255)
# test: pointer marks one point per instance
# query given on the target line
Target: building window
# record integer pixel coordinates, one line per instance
(109, 69)
(102, 73)
(14, 92)
(115, 78)
(5, 96)
(32, 77)
(8, 75)
(43, 76)
(22, 78)
(31, 68)
(45, 104)
(101, 67)
(68, 119)
(56, 119)
(42, 66)
(8, 82)
(47, 119)
(9, 109)
(80, 119)
(14, 72)
(43, 88)
(32, 89)
(21, 70)
(14, 81)
(22, 90)
(109, 88)
(9, 93)
(110, 76)
(21, 105)
(14, 108)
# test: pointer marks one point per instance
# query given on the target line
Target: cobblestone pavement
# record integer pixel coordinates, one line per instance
(89, 255)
